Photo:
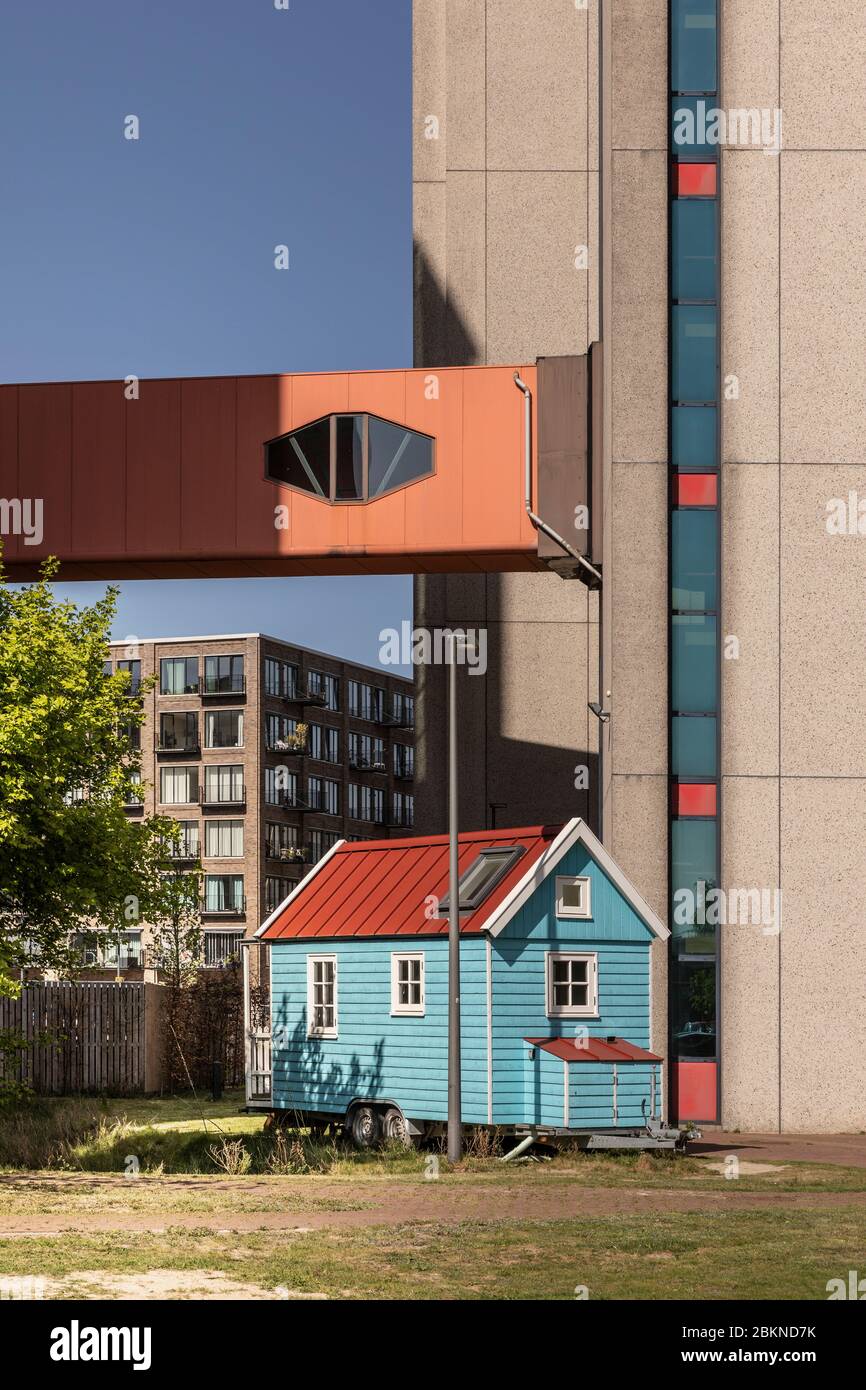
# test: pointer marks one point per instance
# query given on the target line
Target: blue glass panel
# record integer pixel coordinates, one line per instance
(695, 248)
(695, 368)
(694, 846)
(693, 1008)
(693, 437)
(693, 46)
(694, 559)
(693, 746)
(696, 127)
(694, 663)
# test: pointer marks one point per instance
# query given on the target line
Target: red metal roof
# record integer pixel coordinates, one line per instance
(594, 1049)
(384, 887)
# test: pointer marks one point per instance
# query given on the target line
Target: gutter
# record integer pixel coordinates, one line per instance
(536, 520)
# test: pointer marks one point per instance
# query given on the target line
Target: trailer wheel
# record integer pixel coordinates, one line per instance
(395, 1129)
(365, 1127)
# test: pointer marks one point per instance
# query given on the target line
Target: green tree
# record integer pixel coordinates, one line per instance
(71, 859)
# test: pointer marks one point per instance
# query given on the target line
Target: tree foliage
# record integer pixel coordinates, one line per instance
(71, 858)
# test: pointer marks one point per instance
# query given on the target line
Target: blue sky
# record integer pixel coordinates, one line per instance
(155, 257)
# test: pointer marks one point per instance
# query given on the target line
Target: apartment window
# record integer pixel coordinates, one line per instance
(356, 700)
(349, 458)
(108, 951)
(367, 752)
(178, 732)
(324, 795)
(108, 667)
(324, 743)
(221, 947)
(224, 839)
(321, 683)
(403, 808)
(135, 796)
(187, 846)
(223, 675)
(224, 783)
(279, 730)
(572, 985)
(322, 996)
(276, 891)
(482, 876)
(320, 842)
(573, 897)
(281, 787)
(281, 677)
(224, 728)
(131, 733)
(133, 669)
(178, 675)
(280, 840)
(224, 893)
(404, 760)
(366, 803)
(178, 786)
(403, 709)
(407, 984)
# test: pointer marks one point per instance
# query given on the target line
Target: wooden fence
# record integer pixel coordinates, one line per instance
(86, 1037)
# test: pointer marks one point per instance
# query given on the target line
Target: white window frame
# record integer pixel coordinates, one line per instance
(587, 1010)
(399, 1010)
(313, 1032)
(585, 910)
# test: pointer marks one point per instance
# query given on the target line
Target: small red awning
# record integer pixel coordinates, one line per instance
(593, 1049)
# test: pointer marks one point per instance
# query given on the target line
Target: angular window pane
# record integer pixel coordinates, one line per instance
(693, 46)
(695, 367)
(694, 559)
(693, 746)
(693, 437)
(397, 456)
(694, 242)
(349, 485)
(302, 459)
(694, 662)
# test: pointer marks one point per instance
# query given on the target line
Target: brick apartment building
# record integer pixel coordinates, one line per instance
(266, 754)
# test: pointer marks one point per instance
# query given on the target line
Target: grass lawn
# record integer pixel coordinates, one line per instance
(758, 1255)
(371, 1226)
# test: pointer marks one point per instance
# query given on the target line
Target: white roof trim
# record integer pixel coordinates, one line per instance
(576, 830)
(302, 883)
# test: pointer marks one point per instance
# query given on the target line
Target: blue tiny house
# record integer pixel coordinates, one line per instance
(555, 989)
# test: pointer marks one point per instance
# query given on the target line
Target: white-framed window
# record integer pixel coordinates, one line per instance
(224, 839)
(571, 984)
(321, 996)
(178, 786)
(407, 983)
(224, 728)
(573, 897)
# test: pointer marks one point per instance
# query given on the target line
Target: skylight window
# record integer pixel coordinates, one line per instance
(484, 873)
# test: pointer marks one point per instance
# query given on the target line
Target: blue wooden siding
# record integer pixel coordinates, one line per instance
(375, 1055)
(621, 941)
(406, 1059)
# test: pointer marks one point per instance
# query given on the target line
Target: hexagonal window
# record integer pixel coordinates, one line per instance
(349, 458)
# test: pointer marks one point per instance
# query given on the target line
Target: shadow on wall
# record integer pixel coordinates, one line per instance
(305, 1078)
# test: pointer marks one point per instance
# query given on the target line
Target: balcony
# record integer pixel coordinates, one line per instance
(190, 749)
(234, 799)
(134, 807)
(223, 687)
(305, 697)
(291, 801)
(367, 765)
(230, 911)
(299, 854)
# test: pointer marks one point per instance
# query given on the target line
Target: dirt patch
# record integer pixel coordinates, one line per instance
(164, 1283)
(745, 1167)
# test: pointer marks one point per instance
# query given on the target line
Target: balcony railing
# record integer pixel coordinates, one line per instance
(235, 796)
(192, 746)
(291, 801)
(210, 686)
(290, 855)
(236, 908)
(367, 765)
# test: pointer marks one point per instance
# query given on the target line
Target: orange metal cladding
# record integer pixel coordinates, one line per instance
(172, 485)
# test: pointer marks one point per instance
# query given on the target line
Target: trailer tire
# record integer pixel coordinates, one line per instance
(395, 1130)
(365, 1127)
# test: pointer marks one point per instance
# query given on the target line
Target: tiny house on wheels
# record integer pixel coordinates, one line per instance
(554, 991)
